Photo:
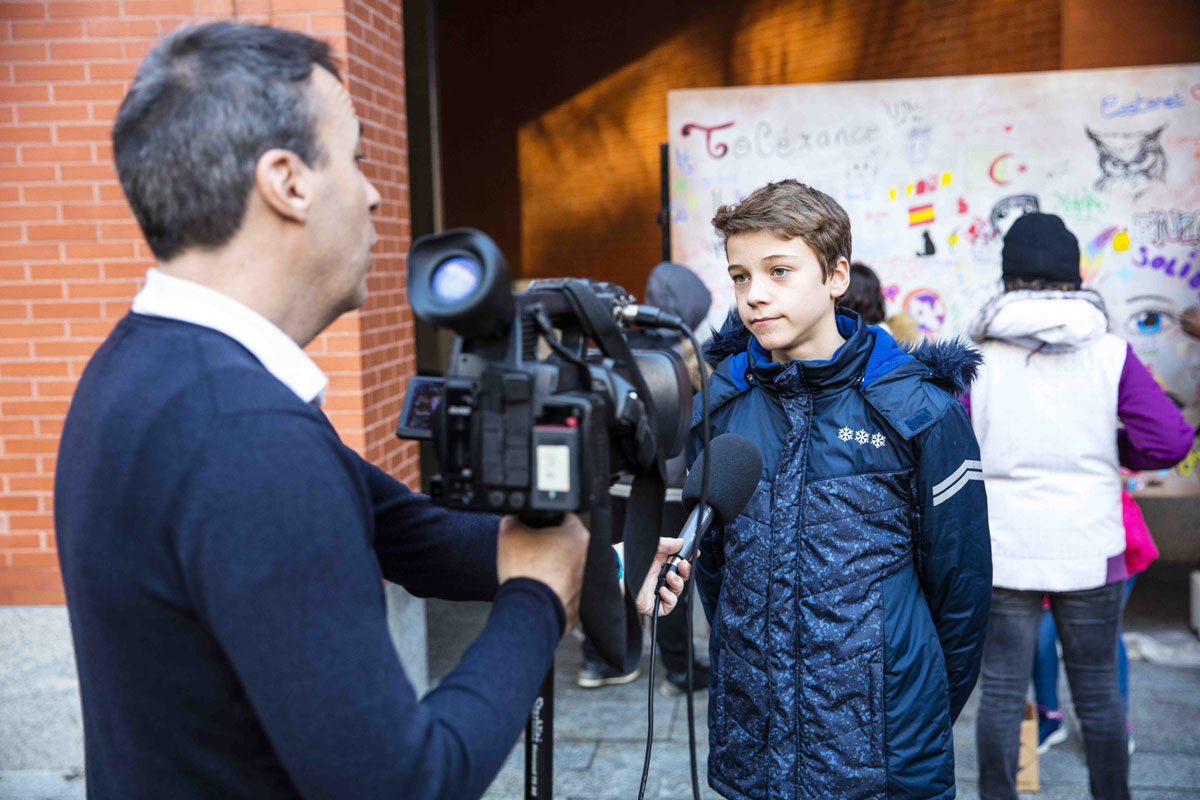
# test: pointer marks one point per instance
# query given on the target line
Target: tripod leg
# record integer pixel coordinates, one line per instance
(539, 743)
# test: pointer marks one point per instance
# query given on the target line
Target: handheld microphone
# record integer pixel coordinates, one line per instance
(736, 469)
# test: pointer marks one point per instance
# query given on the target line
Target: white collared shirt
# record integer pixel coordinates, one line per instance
(175, 298)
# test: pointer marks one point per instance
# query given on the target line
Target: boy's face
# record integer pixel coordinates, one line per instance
(782, 295)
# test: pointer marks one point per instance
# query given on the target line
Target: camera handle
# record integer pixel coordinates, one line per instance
(541, 519)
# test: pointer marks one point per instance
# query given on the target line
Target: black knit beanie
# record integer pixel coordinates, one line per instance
(1039, 247)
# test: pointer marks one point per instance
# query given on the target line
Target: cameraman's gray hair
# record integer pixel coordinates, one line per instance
(205, 104)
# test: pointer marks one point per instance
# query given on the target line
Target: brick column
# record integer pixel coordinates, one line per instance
(72, 258)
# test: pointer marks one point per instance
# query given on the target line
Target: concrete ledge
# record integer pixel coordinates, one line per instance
(41, 726)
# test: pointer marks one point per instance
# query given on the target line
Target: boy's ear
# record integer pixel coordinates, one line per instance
(839, 281)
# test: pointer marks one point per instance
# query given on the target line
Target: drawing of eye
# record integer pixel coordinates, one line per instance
(1151, 315)
(1151, 322)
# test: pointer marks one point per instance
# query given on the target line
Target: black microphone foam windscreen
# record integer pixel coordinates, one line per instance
(736, 468)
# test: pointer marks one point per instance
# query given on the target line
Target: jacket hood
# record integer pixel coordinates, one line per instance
(951, 364)
(1042, 321)
(733, 337)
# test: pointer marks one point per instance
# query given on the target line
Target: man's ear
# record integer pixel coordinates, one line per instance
(284, 182)
(839, 281)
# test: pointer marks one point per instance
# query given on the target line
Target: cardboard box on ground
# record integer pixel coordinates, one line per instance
(1027, 757)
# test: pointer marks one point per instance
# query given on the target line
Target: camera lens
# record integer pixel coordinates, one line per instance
(455, 278)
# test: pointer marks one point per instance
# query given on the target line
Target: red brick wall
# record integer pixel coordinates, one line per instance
(375, 39)
(71, 256)
(1114, 33)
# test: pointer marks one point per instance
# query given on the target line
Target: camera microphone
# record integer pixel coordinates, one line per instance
(649, 317)
(737, 467)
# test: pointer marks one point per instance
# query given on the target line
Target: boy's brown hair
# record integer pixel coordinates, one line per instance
(789, 209)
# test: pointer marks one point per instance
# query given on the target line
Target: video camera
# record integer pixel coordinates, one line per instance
(543, 403)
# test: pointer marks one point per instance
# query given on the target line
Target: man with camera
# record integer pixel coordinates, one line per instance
(222, 550)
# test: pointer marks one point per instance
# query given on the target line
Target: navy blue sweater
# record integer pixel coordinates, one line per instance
(223, 555)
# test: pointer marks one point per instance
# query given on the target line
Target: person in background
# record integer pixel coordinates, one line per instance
(865, 295)
(677, 290)
(1190, 322)
(1052, 385)
(1140, 550)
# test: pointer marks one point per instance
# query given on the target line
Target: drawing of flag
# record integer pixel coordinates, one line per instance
(920, 215)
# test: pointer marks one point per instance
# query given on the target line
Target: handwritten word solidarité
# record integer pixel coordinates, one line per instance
(1169, 268)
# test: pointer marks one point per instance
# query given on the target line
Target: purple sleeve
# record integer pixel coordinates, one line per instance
(965, 399)
(1155, 436)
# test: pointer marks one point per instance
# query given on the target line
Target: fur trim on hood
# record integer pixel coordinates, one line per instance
(732, 338)
(953, 364)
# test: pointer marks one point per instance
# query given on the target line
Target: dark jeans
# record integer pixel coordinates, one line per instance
(1088, 623)
(1045, 661)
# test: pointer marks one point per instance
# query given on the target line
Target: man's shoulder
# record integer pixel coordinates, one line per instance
(160, 384)
(178, 363)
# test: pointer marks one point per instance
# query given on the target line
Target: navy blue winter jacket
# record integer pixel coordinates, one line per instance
(849, 601)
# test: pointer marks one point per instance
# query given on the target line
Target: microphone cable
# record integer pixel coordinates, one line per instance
(705, 436)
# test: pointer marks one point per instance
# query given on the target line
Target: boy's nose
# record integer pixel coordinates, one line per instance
(756, 295)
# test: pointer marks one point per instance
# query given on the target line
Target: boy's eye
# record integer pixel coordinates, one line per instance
(739, 278)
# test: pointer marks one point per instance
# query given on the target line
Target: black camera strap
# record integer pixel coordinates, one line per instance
(610, 621)
(613, 624)
(642, 519)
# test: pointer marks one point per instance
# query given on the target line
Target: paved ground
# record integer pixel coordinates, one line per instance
(600, 734)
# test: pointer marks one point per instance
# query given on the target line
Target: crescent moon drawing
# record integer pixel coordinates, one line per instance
(996, 163)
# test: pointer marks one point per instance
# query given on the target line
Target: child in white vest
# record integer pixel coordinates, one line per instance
(1045, 407)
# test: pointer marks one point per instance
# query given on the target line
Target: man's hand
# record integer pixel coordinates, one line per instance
(554, 556)
(1190, 322)
(675, 581)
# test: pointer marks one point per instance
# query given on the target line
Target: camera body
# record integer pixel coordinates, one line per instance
(543, 403)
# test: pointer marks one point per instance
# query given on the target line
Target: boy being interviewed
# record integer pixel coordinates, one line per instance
(850, 599)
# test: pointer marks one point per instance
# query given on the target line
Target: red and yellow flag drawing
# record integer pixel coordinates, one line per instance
(920, 215)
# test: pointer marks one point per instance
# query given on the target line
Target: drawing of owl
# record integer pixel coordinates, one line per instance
(1134, 159)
